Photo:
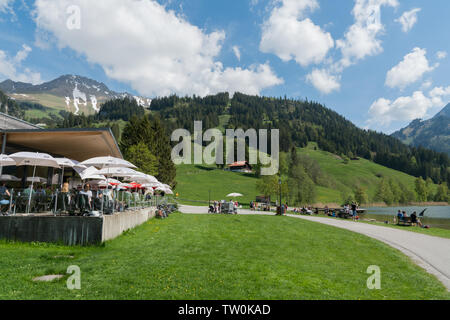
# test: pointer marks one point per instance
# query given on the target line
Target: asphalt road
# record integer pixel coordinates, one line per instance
(431, 253)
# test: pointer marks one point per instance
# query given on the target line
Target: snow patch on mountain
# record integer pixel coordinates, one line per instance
(77, 96)
(94, 103)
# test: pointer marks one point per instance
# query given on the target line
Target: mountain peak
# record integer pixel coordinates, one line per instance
(444, 112)
(74, 93)
(433, 133)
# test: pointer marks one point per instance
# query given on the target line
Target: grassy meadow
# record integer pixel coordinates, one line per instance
(195, 181)
(218, 257)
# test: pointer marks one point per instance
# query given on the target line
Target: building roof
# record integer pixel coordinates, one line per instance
(239, 164)
(76, 144)
(8, 122)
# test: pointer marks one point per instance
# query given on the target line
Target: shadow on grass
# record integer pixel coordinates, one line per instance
(205, 168)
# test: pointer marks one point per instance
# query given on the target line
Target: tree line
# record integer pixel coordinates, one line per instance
(300, 122)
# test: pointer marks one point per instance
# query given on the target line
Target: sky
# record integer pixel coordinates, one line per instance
(379, 63)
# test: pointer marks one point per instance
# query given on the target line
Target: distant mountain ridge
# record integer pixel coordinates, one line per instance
(72, 92)
(433, 133)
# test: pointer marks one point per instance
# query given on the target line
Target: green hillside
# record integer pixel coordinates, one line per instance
(195, 181)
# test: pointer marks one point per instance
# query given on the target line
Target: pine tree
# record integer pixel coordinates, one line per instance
(143, 159)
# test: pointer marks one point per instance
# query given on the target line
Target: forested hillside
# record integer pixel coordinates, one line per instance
(301, 122)
(10, 107)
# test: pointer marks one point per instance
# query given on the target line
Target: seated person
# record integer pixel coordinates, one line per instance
(40, 191)
(26, 192)
(414, 219)
(65, 188)
(399, 215)
(4, 195)
(88, 193)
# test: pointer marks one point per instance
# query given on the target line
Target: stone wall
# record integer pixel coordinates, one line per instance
(71, 230)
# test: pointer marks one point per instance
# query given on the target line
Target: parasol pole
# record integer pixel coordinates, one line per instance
(31, 191)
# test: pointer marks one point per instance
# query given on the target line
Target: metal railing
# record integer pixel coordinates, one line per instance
(76, 203)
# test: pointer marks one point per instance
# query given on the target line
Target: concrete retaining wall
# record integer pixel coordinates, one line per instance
(115, 225)
(71, 230)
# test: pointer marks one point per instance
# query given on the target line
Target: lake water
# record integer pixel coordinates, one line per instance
(435, 216)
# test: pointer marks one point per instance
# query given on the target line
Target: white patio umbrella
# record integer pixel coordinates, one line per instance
(148, 185)
(168, 191)
(104, 183)
(143, 178)
(34, 159)
(108, 162)
(9, 178)
(6, 161)
(235, 195)
(105, 162)
(91, 173)
(37, 180)
(154, 185)
(118, 172)
(68, 163)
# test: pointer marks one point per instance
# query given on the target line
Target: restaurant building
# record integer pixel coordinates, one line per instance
(76, 144)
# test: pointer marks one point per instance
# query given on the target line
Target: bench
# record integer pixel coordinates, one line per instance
(405, 222)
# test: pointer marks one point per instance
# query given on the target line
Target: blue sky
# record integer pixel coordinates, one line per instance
(379, 63)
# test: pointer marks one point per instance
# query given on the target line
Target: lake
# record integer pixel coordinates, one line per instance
(435, 216)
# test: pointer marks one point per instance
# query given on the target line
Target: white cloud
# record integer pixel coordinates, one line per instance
(11, 67)
(237, 52)
(413, 66)
(427, 84)
(408, 19)
(384, 111)
(152, 49)
(441, 55)
(291, 36)
(438, 93)
(5, 5)
(22, 54)
(361, 39)
(323, 81)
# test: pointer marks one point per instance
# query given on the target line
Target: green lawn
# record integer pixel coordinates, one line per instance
(437, 232)
(195, 181)
(219, 257)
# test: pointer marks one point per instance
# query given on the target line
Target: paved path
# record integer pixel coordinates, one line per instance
(431, 253)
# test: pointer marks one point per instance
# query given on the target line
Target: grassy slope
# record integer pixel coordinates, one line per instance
(348, 176)
(219, 257)
(195, 181)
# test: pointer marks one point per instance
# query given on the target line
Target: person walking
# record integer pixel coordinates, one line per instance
(354, 212)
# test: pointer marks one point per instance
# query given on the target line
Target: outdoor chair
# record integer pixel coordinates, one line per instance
(42, 202)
